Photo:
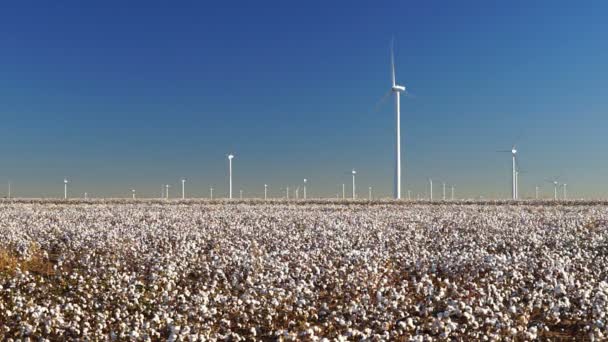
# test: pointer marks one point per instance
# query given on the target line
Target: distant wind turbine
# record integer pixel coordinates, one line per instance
(513, 152)
(304, 188)
(9, 189)
(230, 157)
(133, 193)
(555, 186)
(343, 191)
(167, 190)
(443, 184)
(396, 89)
(354, 173)
(211, 193)
(431, 189)
(565, 191)
(265, 191)
(65, 188)
(183, 188)
(370, 193)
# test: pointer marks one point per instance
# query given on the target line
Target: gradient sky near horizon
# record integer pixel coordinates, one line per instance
(134, 94)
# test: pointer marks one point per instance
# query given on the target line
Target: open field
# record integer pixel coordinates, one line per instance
(196, 270)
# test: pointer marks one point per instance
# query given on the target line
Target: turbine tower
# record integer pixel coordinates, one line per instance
(133, 193)
(431, 189)
(369, 195)
(565, 191)
(210, 193)
(397, 89)
(443, 184)
(304, 188)
(265, 192)
(183, 188)
(354, 185)
(230, 157)
(343, 191)
(65, 188)
(513, 152)
(167, 191)
(9, 189)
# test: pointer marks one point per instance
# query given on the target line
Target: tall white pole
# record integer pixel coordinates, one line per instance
(210, 193)
(343, 191)
(431, 193)
(265, 192)
(133, 193)
(514, 180)
(555, 191)
(183, 188)
(443, 184)
(65, 188)
(370, 193)
(9, 190)
(167, 191)
(304, 188)
(517, 184)
(397, 181)
(230, 156)
(354, 185)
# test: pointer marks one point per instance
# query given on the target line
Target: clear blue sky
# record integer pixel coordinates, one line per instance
(128, 94)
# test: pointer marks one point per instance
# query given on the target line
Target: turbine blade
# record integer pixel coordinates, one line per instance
(393, 61)
(381, 102)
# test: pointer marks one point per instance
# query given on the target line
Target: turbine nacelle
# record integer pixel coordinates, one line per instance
(398, 88)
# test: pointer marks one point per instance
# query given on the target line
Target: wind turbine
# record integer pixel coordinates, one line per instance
(167, 191)
(133, 193)
(65, 188)
(354, 184)
(230, 157)
(431, 189)
(555, 185)
(343, 191)
(443, 184)
(9, 189)
(183, 188)
(211, 193)
(265, 192)
(565, 191)
(370, 193)
(513, 152)
(397, 89)
(304, 188)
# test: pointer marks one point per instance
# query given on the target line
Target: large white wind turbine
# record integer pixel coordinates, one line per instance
(397, 89)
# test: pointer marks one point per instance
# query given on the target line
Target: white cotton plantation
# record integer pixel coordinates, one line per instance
(201, 271)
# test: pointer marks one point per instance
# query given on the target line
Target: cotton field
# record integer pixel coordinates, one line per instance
(199, 271)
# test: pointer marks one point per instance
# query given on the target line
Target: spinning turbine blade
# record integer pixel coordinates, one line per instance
(393, 62)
